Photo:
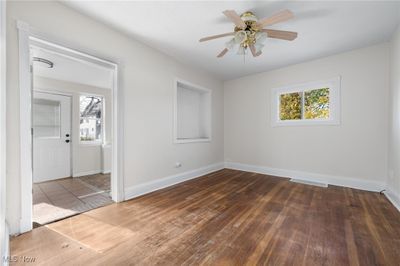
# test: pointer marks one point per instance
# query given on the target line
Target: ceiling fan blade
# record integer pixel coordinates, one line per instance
(281, 34)
(235, 18)
(278, 17)
(221, 54)
(216, 36)
(253, 51)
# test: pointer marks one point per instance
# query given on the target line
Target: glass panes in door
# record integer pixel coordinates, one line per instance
(46, 118)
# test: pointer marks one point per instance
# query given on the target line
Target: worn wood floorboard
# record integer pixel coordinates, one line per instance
(226, 218)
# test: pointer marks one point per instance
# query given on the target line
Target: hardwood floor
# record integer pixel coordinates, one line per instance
(226, 218)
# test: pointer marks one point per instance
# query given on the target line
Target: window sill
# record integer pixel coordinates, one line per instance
(331, 122)
(180, 141)
(91, 143)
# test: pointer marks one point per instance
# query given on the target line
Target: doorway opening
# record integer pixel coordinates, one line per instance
(71, 134)
(71, 129)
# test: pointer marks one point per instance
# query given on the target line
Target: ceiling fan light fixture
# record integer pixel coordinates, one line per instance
(241, 50)
(259, 47)
(231, 44)
(249, 32)
(261, 37)
(240, 36)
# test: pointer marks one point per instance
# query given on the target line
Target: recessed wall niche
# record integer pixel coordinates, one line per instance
(192, 113)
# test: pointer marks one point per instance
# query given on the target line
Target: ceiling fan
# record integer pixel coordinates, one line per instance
(249, 32)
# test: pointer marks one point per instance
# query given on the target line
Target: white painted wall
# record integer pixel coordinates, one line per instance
(393, 183)
(4, 240)
(86, 158)
(356, 149)
(147, 83)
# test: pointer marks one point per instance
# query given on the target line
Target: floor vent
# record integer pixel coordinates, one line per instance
(306, 182)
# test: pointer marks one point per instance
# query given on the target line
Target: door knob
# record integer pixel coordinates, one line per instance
(67, 140)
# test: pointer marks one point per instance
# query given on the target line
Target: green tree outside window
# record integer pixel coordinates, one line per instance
(314, 106)
(290, 106)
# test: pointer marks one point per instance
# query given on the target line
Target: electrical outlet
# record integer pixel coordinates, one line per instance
(178, 164)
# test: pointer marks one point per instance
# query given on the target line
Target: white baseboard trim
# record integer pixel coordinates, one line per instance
(139, 190)
(311, 183)
(106, 172)
(91, 172)
(393, 198)
(48, 179)
(312, 177)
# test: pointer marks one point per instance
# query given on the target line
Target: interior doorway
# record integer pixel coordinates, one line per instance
(71, 125)
(107, 142)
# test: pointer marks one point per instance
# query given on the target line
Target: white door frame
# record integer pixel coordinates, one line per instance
(4, 239)
(28, 36)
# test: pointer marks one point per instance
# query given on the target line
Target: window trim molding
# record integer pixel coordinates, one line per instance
(334, 85)
(177, 140)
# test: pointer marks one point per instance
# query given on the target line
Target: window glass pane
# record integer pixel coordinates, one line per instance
(290, 106)
(316, 104)
(46, 118)
(91, 108)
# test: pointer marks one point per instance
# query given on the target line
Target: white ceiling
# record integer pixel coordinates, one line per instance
(324, 28)
(72, 70)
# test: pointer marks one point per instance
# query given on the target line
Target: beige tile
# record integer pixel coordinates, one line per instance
(96, 201)
(83, 191)
(58, 199)
(41, 199)
(99, 181)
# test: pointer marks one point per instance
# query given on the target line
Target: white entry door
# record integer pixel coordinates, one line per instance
(51, 122)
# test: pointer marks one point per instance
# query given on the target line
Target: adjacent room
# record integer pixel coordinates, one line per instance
(200, 133)
(71, 172)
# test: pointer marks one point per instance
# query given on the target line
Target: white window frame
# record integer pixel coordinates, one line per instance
(334, 103)
(103, 133)
(209, 118)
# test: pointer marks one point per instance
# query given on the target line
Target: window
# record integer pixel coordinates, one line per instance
(307, 104)
(46, 118)
(192, 113)
(91, 119)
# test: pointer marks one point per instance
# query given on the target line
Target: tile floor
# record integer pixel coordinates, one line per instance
(58, 199)
(99, 181)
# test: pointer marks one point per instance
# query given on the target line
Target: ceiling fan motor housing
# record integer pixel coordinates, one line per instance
(251, 28)
(249, 16)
